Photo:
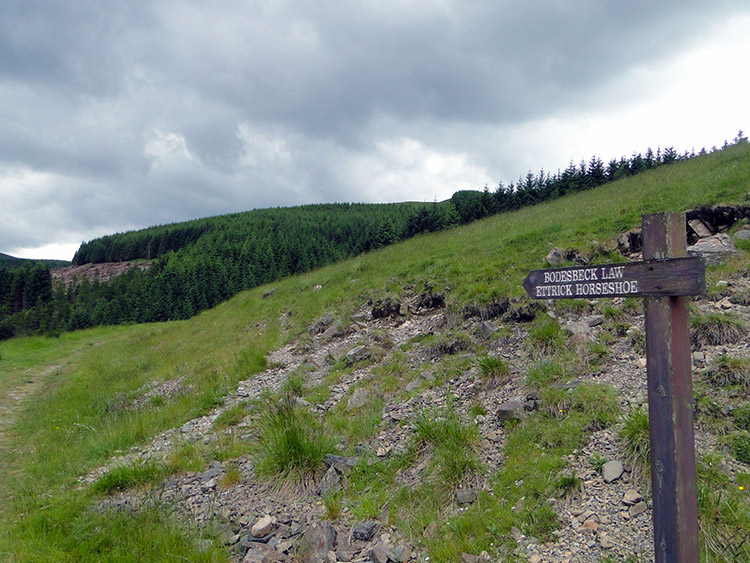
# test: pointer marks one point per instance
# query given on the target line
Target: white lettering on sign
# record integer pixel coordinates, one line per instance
(584, 274)
(607, 288)
(555, 290)
(676, 276)
(612, 272)
(590, 288)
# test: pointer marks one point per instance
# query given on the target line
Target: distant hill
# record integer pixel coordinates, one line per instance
(12, 263)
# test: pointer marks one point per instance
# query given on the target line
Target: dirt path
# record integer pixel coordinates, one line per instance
(28, 383)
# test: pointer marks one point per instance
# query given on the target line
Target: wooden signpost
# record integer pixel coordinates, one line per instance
(664, 279)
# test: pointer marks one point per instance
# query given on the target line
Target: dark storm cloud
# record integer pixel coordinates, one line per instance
(122, 114)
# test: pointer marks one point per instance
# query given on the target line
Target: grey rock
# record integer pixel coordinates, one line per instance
(333, 330)
(431, 530)
(254, 552)
(743, 234)
(318, 540)
(337, 352)
(262, 527)
(638, 508)
(359, 398)
(365, 530)
(413, 385)
(612, 470)
(487, 328)
(228, 537)
(630, 242)
(510, 410)
(209, 474)
(555, 257)
(700, 228)
(596, 320)
(341, 463)
(578, 328)
(381, 554)
(357, 354)
(322, 324)
(530, 405)
(402, 553)
(631, 497)
(466, 495)
(330, 483)
(208, 486)
(715, 249)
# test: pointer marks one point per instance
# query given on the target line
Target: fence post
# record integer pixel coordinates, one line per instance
(670, 403)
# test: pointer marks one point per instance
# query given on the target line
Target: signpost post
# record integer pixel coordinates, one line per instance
(664, 279)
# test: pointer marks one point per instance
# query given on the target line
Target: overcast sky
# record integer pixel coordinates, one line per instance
(121, 114)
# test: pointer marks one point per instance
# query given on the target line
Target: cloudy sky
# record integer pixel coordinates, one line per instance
(121, 114)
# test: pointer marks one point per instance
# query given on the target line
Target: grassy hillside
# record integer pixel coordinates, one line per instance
(59, 396)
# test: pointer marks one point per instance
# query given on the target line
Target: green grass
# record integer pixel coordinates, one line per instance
(597, 461)
(127, 476)
(713, 329)
(728, 371)
(231, 417)
(742, 417)
(494, 370)
(358, 426)
(534, 470)
(291, 445)
(545, 373)
(452, 443)
(635, 440)
(76, 389)
(740, 444)
(546, 337)
(724, 514)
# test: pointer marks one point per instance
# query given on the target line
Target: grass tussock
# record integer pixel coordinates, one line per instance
(741, 417)
(635, 440)
(452, 444)
(546, 337)
(724, 514)
(740, 444)
(728, 370)
(494, 371)
(231, 416)
(291, 445)
(125, 477)
(232, 476)
(545, 373)
(715, 329)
